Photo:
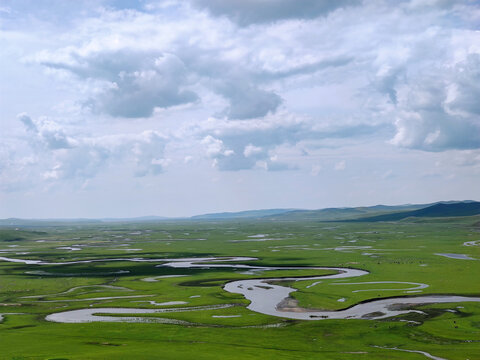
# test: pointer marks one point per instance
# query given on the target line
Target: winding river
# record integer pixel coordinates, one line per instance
(264, 296)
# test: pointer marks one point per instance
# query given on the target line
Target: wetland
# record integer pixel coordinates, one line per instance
(275, 290)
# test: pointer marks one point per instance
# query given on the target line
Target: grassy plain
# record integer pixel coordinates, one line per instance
(403, 251)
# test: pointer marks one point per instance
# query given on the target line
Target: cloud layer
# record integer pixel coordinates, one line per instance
(247, 12)
(292, 90)
(61, 157)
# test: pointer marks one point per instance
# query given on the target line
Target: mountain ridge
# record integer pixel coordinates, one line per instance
(441, 209)
(360, 213)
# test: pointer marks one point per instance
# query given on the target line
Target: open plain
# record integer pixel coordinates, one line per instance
(239, 289)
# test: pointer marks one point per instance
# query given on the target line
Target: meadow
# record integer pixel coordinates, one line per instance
(403, 258)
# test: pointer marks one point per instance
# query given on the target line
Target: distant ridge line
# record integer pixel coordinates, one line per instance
(442, 209)
(359, 214)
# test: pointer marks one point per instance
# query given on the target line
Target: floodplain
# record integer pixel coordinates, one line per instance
(166, 289)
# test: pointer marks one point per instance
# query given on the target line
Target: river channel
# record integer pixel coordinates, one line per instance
(266, 296)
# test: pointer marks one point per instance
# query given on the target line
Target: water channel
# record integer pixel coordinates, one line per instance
(265, 295)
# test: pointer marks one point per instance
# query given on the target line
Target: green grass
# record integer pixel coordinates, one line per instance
(402, 251)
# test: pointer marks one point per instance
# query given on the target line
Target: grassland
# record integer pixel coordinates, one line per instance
(395, 254)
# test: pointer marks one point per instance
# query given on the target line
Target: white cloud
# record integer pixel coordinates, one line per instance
(252, 150)
(247, 101)
(244, 144)
(84, 156)
(47, 133)
(129, 63)
(287, 85)
(215, 147)
(341, 165)
(440, 110)
(316, 169)
(129, 83)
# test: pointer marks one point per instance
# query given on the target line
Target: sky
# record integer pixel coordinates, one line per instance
(116, 108)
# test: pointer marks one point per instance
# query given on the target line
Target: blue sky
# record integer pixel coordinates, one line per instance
(174, 108)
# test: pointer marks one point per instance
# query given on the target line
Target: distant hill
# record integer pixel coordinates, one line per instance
(366, 213)
(442, 209)
(12, 222)
(338, 214)
(136, 219)
(44, 222)
(249, 214)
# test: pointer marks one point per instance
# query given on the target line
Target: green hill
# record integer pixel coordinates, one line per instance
(466, 208)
